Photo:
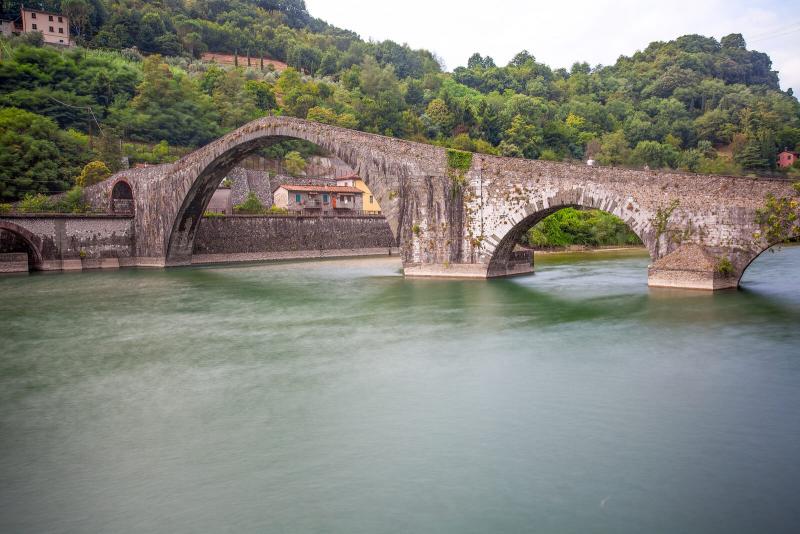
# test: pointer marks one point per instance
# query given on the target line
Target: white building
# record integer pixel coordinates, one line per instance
(53, 27)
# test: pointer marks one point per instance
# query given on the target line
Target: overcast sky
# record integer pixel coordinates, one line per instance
(560, 32)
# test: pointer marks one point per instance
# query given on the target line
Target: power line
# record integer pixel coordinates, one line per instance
(85, 108)
(45, 181)
(776, 29)
(783, 33)
(765, 39)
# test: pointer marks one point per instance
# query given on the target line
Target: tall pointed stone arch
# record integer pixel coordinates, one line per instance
(392, 168)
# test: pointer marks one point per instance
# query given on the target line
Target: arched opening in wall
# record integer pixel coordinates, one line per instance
(775, 270)
(15, 240)
(122, 199)
(572, 229)
(269, 197)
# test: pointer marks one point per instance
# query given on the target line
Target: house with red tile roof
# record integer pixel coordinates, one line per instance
(318, 199)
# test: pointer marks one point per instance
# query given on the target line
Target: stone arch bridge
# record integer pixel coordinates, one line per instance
(461, 223)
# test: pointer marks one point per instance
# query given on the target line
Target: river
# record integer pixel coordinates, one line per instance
(337, 396)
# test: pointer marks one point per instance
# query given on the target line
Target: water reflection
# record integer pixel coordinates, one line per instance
(338, 396)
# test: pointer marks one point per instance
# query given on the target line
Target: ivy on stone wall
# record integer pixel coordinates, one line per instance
(458, 164)
(661, 218)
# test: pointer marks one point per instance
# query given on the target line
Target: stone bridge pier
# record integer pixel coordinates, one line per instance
(466, 220)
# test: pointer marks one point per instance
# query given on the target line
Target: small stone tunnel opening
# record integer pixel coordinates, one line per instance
(12, 242)
(122, 199)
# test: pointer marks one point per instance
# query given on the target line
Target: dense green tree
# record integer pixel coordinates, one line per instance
(304, 58)
(440, 116)
(168, 105)
(294, 163)
(35, 156)
(525, 135)
(262, 93)
(235, 106)
(571, 226)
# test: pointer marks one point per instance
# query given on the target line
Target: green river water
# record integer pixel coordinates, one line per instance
(337, 396)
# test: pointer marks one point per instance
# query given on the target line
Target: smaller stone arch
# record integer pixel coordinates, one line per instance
(744, 261)
(32, 243)
(122, 201)
(503, 260)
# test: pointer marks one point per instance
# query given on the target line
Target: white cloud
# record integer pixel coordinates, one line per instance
(560, 33)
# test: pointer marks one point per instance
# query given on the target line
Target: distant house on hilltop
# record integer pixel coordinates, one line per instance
(53, 27)
(787, 158)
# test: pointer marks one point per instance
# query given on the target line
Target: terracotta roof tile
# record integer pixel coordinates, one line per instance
(321, 188)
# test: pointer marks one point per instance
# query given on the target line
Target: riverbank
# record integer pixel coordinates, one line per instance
(249, 257)
(589, 250)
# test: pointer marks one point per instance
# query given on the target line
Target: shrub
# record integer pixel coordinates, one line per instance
(213, 214)
(131, 54)
(72, 201)
(36, 203)
(294, 162)
(5, 208)
(549, 155)
(276, 210)
(31, 39)
(93, 172)
(251, 205)
(724, 266)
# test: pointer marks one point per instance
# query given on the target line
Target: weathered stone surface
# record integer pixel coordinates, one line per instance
(13, 262)
(689, 267)
(70, 242)
(66, 242)
(244, 234)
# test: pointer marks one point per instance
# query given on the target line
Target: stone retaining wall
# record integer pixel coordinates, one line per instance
(74, 242)
(251, 238)
(13, 262)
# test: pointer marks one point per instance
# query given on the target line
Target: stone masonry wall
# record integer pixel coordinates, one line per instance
(243, 234)
(76, 241)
